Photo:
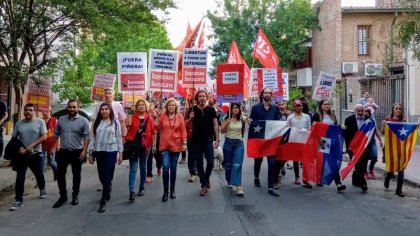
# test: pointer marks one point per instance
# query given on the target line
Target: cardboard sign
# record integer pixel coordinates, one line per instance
(285, 77)
(163, 70)
(194, 67)
(39, 94)
(130, 99)
(230, 82)
(132, 76)
(324, 86)
(272, 79)
(100, 83)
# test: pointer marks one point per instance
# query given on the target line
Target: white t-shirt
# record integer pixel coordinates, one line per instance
(302, 122)
(119, 113)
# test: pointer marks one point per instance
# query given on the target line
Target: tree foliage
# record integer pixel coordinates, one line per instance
(286, 23)
(409, 27)
(34, 33)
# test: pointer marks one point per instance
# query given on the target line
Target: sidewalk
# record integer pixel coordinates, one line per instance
(7, 175)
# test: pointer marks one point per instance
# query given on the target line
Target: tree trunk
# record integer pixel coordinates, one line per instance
(18, 103)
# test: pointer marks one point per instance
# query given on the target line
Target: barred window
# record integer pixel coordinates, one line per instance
(363, 33)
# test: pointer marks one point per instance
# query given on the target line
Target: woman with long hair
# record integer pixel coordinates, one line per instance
(233, 127)
(325, 115)
(106, 148)
(397, 115)
(173, 141)
(140, 130)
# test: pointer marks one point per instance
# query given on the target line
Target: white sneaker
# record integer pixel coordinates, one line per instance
(240, 191)
(43, 194)
(16, 205)
(229, 186)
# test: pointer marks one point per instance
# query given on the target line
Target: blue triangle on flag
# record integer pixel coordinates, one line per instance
(402, 130)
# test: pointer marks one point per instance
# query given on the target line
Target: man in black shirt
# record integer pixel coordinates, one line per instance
(205, 130)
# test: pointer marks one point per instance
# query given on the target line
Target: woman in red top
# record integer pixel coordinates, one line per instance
(397, 115)
(139, 122)
(173, 140)
(48, 146)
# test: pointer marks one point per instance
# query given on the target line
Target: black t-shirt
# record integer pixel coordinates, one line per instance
(203, 129)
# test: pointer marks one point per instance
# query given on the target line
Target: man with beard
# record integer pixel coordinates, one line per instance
(205, 130)
(265, 110)
(73, 131)
(32, 132)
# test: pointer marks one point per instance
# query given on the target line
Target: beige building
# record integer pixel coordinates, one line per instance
(354, 44)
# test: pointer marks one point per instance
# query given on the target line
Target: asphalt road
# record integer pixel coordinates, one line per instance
(298, 211)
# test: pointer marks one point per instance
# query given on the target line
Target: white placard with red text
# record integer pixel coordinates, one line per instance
(324, 86)
(194, 67)
(132, 74)
(163, 70)
(272, 79)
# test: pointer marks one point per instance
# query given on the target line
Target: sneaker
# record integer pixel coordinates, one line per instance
(203, 191)
(341, 188)
(229, 186)
(276, 185)
(372, 174)
(193, 178)
(182, 161)
(16, 205)
(272, 192)
(240, 191)
(283, 171)
(289, 166)
(297, 181)
(43, 194)
(257, 183)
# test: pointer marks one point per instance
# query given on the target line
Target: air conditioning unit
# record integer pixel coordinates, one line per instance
(349, 67)
(373, 69)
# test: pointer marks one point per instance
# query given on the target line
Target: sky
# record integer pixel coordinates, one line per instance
(194, 10)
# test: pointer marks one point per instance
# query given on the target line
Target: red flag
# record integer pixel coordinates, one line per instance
(264, 52)
(235, 57)
(200, 43)
(189, 30)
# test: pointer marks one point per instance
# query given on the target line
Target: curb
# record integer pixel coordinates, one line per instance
(406, 181)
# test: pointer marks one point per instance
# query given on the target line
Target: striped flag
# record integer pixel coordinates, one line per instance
(293, 144)
(400, 140)
(264, 137)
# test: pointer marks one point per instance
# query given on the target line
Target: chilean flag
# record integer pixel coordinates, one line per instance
(323, 153)
(359, 143)
(264, 137)
(292, 146)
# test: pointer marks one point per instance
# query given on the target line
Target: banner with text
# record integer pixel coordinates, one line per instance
(230, 82)
(163, 70)
(324, 86)
(100, 83)
(272, 79)
(130, 98)
(194, 67)
(285, 86)
(132, 71)
(39, 94)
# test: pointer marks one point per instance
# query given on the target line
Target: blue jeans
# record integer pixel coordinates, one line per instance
(105, 162)
(51, 161)
(33, 163)
(233, 153)
(373, 155)
(134, 165)
(198, 151)
(170, 160)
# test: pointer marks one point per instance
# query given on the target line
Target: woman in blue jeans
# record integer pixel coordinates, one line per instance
(139, 124)
(233, 127)
(106, 148)
(173, 140)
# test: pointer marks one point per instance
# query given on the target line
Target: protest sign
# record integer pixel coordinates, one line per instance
(324, 86)
(285, 86)
(130, 98)
(272, 79)
(132, 74)
(39, 94)
(163, 70)
(100, 83)
(230, 82)
(194, 67)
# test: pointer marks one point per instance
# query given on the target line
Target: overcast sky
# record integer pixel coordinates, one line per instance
(194, 10)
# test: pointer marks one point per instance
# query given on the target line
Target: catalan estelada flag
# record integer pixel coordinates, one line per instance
(400, 140)
(323, 153)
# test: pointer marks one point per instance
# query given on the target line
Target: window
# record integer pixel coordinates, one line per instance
(363, 33)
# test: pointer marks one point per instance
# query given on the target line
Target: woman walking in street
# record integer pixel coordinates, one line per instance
(325, 115)
(106, 148)
(173, 141)
(397, 115)
(233, 127)
(154, 112)
(141, 133)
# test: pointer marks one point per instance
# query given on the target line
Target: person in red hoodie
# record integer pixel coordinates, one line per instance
(140, 125)
(173, 140)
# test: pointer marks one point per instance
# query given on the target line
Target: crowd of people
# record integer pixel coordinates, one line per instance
(165, 135)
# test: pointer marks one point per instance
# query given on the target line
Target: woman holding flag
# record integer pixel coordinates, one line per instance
(325, 115)
(233, 127)
(397, 115)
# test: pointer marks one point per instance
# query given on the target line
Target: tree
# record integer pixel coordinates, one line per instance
(408, 27)
(33, 33)
(285, 23)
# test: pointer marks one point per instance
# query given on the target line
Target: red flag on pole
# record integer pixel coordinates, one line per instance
(200, 43)
(235, 57)
(189, 30)
(264, 52)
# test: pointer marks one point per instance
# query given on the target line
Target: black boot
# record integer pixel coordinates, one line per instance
(131, 198)
(102, 206)
(165, 197)
(172, 195)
